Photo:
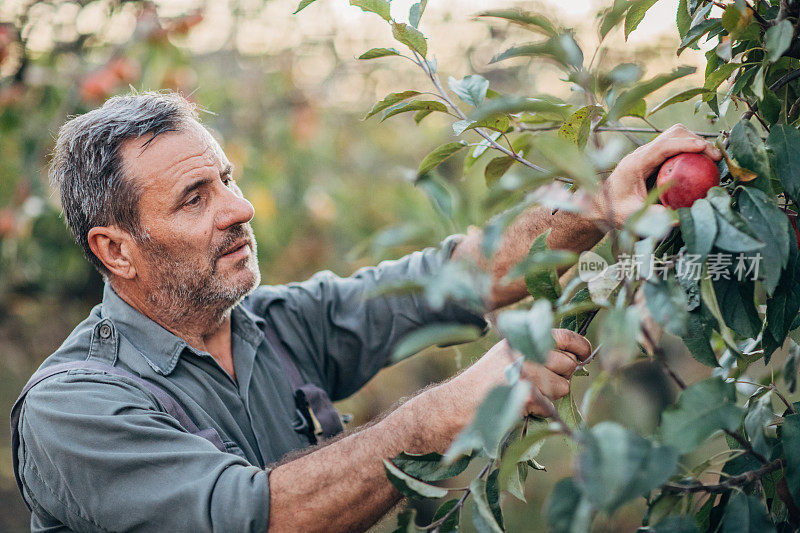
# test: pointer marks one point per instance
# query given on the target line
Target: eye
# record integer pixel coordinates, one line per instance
(227, 180)
(194, 201)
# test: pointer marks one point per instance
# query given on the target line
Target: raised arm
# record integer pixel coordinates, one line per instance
(343, 486)
(620, 195)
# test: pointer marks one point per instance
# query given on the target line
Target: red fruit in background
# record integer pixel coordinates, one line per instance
(7, 36)
(124, 69)
(690, 177)
(98, 86)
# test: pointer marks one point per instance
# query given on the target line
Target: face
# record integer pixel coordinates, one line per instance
(200, 253)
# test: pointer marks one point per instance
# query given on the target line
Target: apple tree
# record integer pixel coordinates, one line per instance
(722, 276)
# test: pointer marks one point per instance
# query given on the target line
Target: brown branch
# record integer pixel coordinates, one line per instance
(728, 484)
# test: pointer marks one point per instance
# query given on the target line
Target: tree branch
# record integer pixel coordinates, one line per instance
(619, 129)
(728, 484)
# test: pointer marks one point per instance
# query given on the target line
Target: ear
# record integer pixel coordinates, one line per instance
(113, 246)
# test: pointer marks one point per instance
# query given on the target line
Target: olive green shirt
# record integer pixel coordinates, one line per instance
(97, 452)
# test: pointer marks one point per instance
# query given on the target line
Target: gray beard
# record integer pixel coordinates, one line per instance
(194, 297)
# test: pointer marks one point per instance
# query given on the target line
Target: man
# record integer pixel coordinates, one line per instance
(149, 195)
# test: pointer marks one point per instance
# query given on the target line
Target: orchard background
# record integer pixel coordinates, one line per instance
(334, 191)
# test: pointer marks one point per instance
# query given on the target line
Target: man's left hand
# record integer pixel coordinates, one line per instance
(624, 192)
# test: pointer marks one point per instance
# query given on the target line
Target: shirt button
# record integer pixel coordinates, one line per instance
(105, 331)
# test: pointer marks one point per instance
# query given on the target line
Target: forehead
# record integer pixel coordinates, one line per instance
(172, 157)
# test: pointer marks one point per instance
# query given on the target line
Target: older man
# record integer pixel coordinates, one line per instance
(186, 339)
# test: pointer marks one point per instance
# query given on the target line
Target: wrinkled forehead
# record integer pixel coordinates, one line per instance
(171, 155)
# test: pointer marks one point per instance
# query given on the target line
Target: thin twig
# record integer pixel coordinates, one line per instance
(618, 129)
(728, 484)
(434, 526)
(494, 144)
(789, 406)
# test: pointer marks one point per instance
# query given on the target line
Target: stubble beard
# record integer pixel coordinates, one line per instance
(193, 294)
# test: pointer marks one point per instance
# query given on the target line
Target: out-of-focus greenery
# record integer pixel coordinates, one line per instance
(330, 191)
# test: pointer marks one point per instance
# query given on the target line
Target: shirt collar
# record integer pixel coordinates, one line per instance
(162, 348)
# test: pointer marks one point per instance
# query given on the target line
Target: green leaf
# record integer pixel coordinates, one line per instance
(784, 142)
(416, 105)
(733, 232)
(407, 522)
(676, 524)
(748, 151)
(619, 330)
(493, 496)
(783, 306)
(567, 510)
(390, 99)
(759, 416)
(698, 227)
(630, 98)
(790, 438)
(416, 11)
(519, 105)
(411, 37)
(568, 411)
(471, 89)
(680, 97)
(778, 39)
(303, 4)
(434, 334)
(737, 305)
(379, 7)
(440, 196)
(667, 304)
(745, 514)
(571, 321)
(577, 127)
(440, 154)
(410, 486)
(683, 19)
(429, 467)
(494, 418)
(496, 168)
(451, 524)
(522, 450)
(482, 515)
(499, 122)
(636, 13)
(566, 159)
(528, 332)
(703, 408)
(698, 340)
(379, 52)
(771, 227)
(563, 49)
(527, 19)
(696, 32)
(421, 114)
(617, 465)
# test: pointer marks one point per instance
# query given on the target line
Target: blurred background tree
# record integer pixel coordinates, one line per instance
(286, 100)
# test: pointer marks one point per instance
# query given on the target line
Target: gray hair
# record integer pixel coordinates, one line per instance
(87, 168)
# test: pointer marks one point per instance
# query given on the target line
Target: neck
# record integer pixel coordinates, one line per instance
(204, 326)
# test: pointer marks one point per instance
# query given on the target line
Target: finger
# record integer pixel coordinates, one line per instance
(539, 405)
(562, 363)
(572, 342)
(549, 383)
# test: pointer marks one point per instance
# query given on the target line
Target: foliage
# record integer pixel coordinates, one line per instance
(528, 141)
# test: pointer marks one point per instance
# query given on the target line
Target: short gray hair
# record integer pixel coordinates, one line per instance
(87, 167)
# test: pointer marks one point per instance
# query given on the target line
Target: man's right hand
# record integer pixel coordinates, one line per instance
(549, 381)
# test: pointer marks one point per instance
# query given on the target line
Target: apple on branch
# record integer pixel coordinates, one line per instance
(687, 177)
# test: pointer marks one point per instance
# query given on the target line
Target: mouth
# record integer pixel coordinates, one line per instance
(237, 249)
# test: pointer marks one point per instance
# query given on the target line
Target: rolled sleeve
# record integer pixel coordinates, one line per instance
(341, 333)
(96, 455)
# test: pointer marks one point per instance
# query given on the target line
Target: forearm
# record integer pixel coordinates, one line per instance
(569, 231)
(343, 486)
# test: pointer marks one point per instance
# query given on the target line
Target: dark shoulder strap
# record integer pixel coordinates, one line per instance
(167, 401)
(307, 395)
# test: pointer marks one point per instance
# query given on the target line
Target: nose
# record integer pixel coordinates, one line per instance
(236, 209)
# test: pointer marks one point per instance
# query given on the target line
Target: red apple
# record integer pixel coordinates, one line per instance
(689, 177)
